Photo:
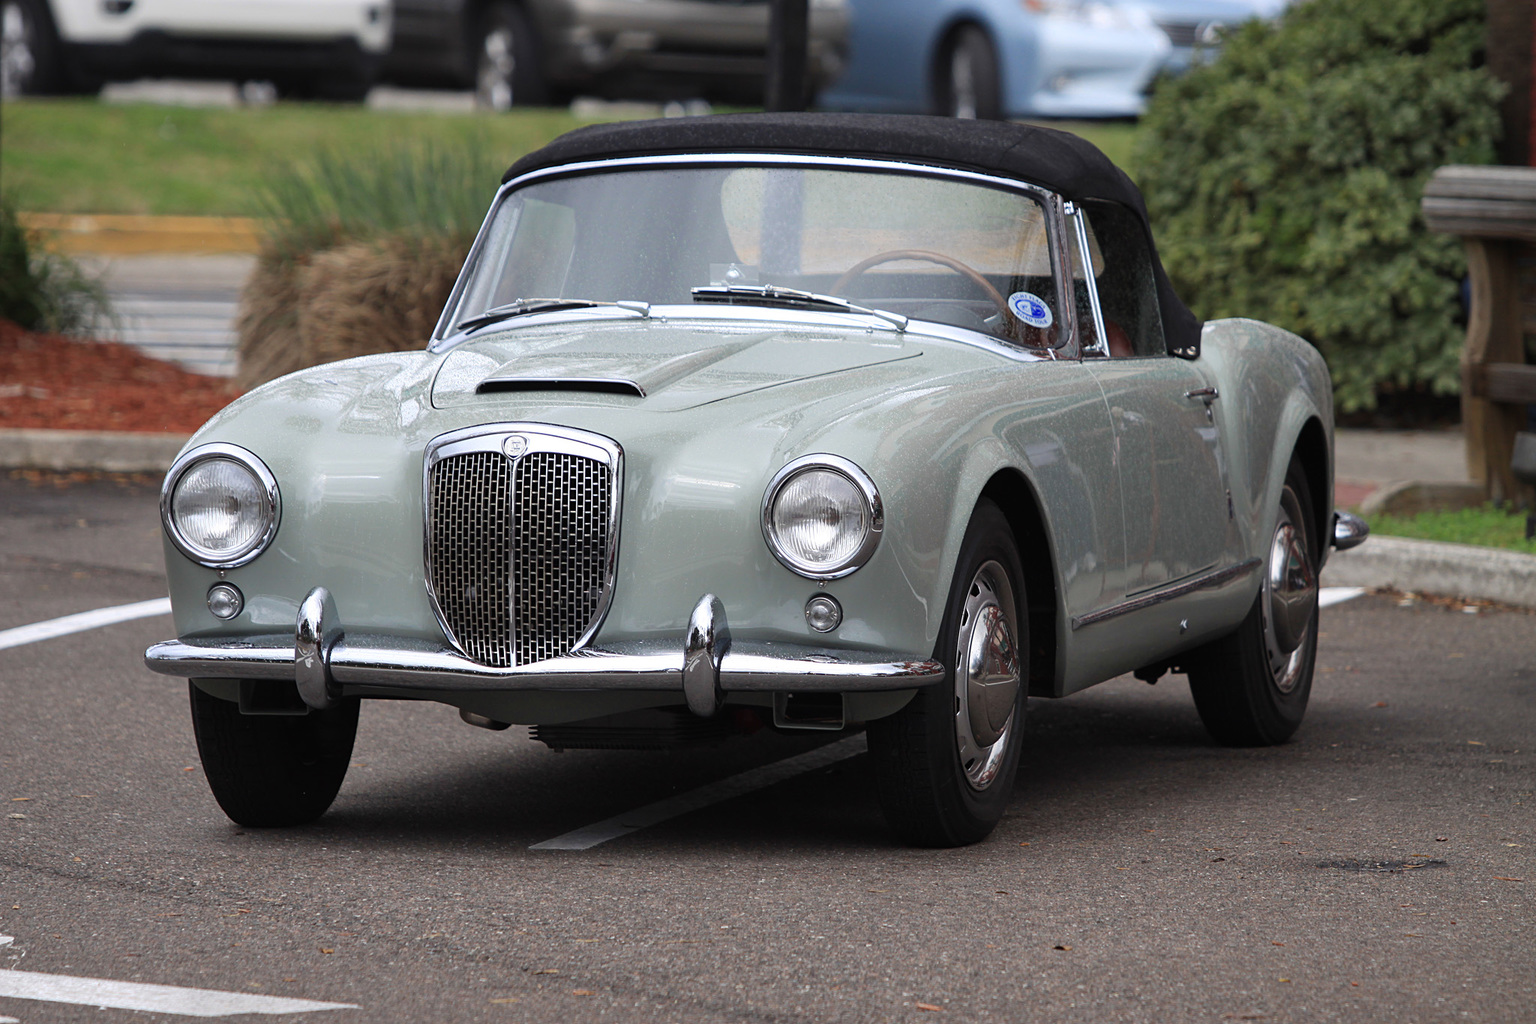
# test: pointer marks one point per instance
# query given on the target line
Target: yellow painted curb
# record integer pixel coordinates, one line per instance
(111, 234)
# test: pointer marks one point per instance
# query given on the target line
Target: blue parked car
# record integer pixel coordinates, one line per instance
(999, 58)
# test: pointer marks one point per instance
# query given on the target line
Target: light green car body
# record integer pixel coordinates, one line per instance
(1142, 513)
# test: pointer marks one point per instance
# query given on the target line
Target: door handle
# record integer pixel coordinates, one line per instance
(1206, 395)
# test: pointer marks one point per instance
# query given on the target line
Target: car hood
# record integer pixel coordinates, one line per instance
(661, 366)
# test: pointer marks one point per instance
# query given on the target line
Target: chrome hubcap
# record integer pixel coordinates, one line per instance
(494, 79)
(16, 59)
(987, 675)
(1290, 597)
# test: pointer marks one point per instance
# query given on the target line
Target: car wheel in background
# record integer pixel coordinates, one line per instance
(506, 62)
(969, 83)
(1251, 688)
(29, 52)
(945, 763)
(268, 771)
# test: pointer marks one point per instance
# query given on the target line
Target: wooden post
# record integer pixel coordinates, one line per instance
(1493, 209)
(1493, 336)
(788, 38)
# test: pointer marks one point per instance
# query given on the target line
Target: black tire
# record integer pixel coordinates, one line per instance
(1251, 691)
(30, 56)
(270, 771)
(969, 82)
(939, 783)
(505, 61)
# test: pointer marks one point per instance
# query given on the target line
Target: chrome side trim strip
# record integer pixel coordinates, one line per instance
(1188, 585)
(362, 663)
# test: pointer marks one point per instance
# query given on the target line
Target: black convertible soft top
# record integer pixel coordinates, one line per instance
(1057, 160)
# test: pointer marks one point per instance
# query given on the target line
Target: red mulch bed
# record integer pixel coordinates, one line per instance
(54, 382)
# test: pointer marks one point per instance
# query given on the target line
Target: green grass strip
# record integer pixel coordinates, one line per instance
(85, 156)
(1489, 526)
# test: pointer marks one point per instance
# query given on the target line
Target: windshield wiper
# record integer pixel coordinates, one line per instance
(773, 295)
(508, 310)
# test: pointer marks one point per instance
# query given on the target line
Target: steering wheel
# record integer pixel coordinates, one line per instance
(892, 255)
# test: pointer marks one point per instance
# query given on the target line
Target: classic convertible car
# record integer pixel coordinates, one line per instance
(810, 421)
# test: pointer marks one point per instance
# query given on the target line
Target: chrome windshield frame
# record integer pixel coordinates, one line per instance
(445, 336)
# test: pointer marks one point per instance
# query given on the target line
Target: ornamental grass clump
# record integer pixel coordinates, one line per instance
(44, 291)
(360, 254)
(1284, 181)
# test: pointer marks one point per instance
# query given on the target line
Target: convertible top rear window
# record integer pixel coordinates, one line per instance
(929, 248)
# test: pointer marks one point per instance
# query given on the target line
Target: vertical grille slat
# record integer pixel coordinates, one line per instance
(519, 551)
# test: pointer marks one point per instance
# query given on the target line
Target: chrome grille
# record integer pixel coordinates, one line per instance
(519, 551)
(471, 548)
(560, 548)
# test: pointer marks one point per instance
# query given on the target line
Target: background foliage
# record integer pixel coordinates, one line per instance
(1284, 181)
(361, 250)
(42, 291)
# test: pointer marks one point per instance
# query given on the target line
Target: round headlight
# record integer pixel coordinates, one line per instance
(219, 505)
(822, 516)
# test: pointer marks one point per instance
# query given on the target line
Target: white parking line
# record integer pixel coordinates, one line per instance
(726, 789)
(1337, 595)
(82, 621)
(128, 995)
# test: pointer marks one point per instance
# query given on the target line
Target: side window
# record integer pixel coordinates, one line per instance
(1127, 295)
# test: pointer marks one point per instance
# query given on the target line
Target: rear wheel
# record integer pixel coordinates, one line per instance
(970, 85)
(268, 771)
(945, 763)
(506, 61)
(1251, 688)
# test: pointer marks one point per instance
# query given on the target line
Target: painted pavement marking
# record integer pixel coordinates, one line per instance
(129, 995)
(82, 621)
(715, 792)
(1337, 595)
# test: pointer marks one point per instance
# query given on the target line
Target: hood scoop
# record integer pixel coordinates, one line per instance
(595, 385)
(634, 374)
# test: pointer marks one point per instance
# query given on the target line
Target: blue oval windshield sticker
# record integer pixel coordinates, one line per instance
(1031, 309)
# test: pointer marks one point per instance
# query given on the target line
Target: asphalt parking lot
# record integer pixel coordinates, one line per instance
(1378, 868)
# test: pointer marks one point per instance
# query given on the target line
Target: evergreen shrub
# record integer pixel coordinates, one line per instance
(1284, 181)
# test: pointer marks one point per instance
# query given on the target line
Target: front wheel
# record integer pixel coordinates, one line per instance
(945, 763)
(1251, 688)
(270, 771)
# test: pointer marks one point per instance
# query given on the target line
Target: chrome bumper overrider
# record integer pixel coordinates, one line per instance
(329, 663)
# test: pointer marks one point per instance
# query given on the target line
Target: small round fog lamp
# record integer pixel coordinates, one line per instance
(823, 613)
(225, 600)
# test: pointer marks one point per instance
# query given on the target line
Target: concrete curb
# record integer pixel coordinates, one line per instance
(108, 234)
(89, 450)
(1430, 567)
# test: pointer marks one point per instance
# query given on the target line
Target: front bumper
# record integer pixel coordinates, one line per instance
(329, 664)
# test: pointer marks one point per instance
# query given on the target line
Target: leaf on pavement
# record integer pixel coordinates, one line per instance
(929, 1007)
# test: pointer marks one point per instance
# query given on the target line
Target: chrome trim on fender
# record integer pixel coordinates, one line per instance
(1349, 531)
(367, 664)
(1188, 585)
(234, 453)
(873, 507)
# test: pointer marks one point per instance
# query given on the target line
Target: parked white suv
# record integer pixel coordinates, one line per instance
(322, 48)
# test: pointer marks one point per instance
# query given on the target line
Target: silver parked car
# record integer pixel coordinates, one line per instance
(546, 51)
(821, 421)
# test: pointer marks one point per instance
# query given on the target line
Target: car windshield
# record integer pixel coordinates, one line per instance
(908, 245)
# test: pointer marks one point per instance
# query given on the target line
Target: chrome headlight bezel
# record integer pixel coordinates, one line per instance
(874, 512)
(271, 508)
